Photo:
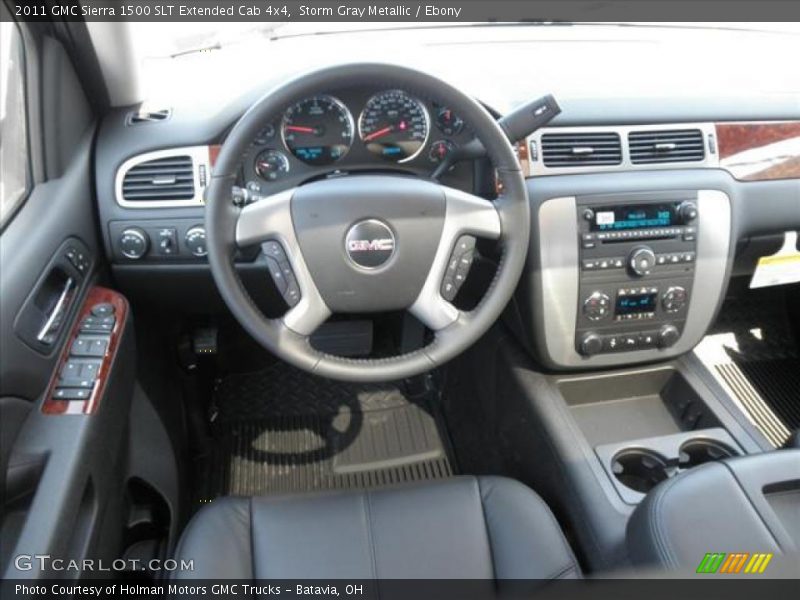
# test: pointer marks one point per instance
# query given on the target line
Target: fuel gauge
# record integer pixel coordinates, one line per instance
(271, 165)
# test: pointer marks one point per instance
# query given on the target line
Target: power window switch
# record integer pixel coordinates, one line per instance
(72, 394)
(71, 369)
(98, 348)
(75, 382)
(89, 369)
(80, 347)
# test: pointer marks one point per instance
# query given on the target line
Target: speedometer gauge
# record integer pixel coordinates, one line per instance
(394, 125)
(318, 130)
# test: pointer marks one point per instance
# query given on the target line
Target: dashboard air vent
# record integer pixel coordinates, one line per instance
(168, 178)
(666, 146)
(148, 116)
(581, 149)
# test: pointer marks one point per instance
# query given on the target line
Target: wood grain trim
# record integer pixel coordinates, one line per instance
(760, 151)
(96, 295)
(213, 154)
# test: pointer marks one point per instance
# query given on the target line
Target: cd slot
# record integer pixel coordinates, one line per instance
(644, 237)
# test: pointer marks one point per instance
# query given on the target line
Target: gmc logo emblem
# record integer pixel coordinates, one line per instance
(379, 245)
(370, 244)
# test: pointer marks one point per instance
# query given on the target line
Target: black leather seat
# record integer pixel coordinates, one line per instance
(460, 528)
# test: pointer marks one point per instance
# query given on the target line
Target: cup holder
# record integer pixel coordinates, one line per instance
(697, 452)
(640, 470)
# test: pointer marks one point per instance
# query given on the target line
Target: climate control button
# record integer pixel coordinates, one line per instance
(591, 344)
(667, 336)
(597, 306)
(674, 299)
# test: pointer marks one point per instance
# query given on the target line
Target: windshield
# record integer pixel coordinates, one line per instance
(210, 61)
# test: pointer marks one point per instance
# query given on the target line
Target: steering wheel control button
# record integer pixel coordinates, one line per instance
(277, 274)
(281, 272)
(458, 267)
(370, 244)
(597, 306)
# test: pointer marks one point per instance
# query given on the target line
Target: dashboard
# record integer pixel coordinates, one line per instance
(632, 204)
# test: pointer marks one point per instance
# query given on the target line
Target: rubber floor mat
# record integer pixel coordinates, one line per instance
(283, 431)
(753, 353)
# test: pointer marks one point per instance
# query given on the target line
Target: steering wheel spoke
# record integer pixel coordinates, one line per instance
(269, 221)
(267, 218)
(466, 216)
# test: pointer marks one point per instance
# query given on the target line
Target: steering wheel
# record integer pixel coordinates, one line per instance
(367, 243)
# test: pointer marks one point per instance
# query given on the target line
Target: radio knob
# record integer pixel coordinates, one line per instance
(591, 344)
(641, 261)
(687, 211)
(196, 241)
(134, 242)
(596, 307)
(667, 336)
(674, 299)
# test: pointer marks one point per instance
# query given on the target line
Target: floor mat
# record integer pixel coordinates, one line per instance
(282, 430)
(754, 355)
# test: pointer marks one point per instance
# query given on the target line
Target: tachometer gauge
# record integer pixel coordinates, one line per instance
(394, 125)
(271, 165)
(318, 130)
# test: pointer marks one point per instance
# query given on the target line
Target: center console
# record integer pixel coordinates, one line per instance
(747, 508)
(619, 273)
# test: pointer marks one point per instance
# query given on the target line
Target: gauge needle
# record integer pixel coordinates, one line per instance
(300, 129)
(379, 133)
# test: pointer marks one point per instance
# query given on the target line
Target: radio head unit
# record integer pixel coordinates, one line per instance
(637, 257)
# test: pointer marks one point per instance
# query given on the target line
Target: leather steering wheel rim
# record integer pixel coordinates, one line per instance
(453, 335)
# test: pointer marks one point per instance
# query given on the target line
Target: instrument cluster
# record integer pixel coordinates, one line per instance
(352, 130)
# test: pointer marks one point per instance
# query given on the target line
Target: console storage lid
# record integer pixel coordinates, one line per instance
(747, 504)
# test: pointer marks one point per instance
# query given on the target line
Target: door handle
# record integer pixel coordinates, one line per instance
(47, 333)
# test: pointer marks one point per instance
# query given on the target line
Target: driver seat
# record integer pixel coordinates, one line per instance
(460, 528)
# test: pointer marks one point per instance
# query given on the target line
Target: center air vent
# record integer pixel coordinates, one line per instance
(666, 146)
(168, 178)
(581, 149)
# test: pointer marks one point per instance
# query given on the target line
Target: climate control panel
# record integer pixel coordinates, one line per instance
(145, 241)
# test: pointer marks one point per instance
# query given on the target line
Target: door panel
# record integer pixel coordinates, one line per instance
(62, 474)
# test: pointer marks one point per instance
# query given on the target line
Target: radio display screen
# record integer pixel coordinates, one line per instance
(643, 216)
(635, 303)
